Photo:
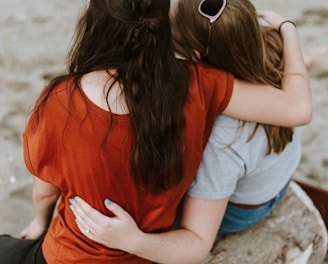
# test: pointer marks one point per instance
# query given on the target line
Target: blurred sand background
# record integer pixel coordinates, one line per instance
(34, 38)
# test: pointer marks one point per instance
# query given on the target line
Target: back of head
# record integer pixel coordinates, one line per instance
(111, 33)
(238, 45)
(131, 40)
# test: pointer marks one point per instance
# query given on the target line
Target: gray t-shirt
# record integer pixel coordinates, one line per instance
(233, 167)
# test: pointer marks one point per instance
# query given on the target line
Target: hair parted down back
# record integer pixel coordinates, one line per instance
(238, 45)
(133, 38)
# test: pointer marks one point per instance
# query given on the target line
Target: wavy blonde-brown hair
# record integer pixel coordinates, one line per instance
(238, 45)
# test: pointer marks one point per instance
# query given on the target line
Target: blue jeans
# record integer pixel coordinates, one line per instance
(237, 219)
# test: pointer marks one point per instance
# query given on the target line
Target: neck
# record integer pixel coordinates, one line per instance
(96, 84)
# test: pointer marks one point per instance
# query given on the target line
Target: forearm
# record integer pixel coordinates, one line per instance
(192, 241)
(44, 207)
(176, 246)
(295, 76)
(44, 203)
(293, 57)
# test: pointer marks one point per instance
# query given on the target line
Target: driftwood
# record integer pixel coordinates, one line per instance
(319, 196)
(293, 233)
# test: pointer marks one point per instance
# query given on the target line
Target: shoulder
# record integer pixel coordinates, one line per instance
(213, 85)
(53, 95)
(63, 88)
(203, 70)
(53, 102)
(235, 133)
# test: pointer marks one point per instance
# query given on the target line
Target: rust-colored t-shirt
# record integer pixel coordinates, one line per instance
(66, 151)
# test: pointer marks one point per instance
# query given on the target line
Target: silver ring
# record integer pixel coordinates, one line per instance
(87, 231)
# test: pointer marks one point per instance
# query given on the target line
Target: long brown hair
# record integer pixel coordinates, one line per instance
(238, 45)
(133, 37)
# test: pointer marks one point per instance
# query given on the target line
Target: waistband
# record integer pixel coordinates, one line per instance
(255, 206)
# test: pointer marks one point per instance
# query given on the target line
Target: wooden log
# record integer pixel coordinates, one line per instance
(293, 233)
(319, 197)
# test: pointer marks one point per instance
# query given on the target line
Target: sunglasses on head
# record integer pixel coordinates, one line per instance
(211, 9)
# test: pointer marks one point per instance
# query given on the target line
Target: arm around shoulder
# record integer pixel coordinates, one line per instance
(289, 106)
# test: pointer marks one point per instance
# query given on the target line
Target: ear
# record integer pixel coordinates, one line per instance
(197, 54)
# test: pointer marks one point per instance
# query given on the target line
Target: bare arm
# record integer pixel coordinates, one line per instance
(188, 244)
(290, 106)
(192, 241)
(45, 196)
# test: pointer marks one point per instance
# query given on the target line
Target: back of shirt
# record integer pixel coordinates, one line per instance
(67, 149)
(233, 167)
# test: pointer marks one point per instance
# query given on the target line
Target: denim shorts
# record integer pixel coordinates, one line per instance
(237, 219)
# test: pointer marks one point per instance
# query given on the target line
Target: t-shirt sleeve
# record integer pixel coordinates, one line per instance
(41, 143)
(215, 89)
(228, 80)
(219, 83)
(221, 167)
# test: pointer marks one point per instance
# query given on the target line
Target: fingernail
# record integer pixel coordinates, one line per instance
(108, 202)
(76, 198)
(71, 200)
(76, 221)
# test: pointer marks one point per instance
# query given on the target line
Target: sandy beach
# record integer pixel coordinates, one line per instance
(34, 38)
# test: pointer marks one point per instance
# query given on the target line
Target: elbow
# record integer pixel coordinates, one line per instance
(40, 195)
(301, 117)
(202, 253)
(306, 115)
(201, 257)
(307, 119)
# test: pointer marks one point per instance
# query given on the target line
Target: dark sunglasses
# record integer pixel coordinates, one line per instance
(211, 9)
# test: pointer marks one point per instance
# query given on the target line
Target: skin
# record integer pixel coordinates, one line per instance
(45, 196)
(201, 218)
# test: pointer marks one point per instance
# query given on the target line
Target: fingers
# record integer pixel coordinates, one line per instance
(117, 210)
(260, 14)
(85, 229)
(85, 215)
(271, 17)
(89, 220)
(84, 210)
(33, 230)
(23, 234)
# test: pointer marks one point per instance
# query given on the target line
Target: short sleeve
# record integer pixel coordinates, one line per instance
(41, 146)
(221, 167)
(220, 84)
